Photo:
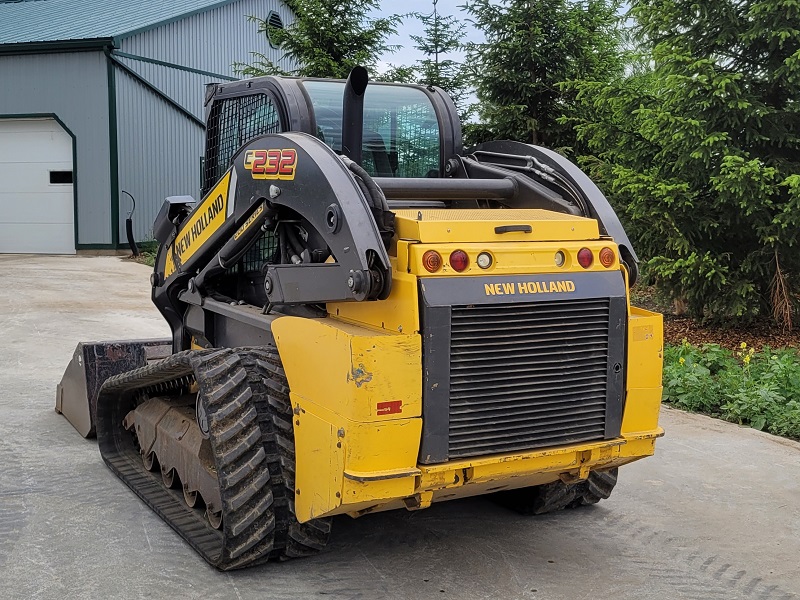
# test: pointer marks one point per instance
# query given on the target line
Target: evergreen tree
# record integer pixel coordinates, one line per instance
(442, 36)
(703, 153)
(327, 39)
(532, 48)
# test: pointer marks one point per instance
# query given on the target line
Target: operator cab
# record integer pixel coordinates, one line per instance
(409, 131)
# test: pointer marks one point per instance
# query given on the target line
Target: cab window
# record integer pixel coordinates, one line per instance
(401, 131)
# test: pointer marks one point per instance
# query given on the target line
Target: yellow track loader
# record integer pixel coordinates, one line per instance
(365, 316)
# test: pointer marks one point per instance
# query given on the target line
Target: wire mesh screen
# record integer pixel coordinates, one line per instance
(263, 250)
(233, 123)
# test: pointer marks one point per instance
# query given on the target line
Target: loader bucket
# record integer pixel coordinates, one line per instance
(94, 362)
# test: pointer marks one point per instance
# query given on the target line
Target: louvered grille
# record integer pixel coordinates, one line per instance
(527, 375)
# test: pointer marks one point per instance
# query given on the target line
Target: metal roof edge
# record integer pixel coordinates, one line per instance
(121, 36)
(55, 46)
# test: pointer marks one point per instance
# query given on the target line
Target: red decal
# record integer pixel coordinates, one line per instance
(392, 407)
(288, 163)
(271, 164)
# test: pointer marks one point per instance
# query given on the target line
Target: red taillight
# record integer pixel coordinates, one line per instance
(459, 260)
(607, 257)
(585, 258)
(432, 261)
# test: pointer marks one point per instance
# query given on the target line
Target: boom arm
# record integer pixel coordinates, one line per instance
(291, 186)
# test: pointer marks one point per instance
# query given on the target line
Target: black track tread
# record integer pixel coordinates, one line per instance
(271, 392)
(599, 486)
(555, 496)
(248, 530)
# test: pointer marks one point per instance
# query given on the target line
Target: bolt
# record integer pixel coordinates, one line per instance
(338, 495)
(274, 191)
(268, 285)
(340, 433)
(338, 444)
(351, 283)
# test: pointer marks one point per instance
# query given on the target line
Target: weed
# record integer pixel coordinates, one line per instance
(759, 389)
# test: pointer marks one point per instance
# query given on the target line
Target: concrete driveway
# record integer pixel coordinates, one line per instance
(715, 514)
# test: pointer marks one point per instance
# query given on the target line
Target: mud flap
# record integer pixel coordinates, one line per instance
(94, 362)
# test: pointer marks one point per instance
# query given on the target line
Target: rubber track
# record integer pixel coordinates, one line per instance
(552, 497)
(248, 529)
(271, 393)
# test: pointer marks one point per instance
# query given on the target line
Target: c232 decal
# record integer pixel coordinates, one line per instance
(271, 164)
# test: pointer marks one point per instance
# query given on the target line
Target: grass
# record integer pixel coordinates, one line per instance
(147, 253)
(760, 389)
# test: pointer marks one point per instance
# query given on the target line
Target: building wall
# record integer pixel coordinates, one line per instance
(159, 148)
(74, 87)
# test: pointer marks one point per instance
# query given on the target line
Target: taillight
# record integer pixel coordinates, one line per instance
(607, 257)
(432, 261)
(585, 258)
(459, 260)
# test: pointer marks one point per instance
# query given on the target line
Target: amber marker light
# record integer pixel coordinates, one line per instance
(459, 260)
(585, 258)
(607, 257)
(432, 261)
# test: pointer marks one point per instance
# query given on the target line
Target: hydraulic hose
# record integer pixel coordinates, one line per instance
(129, 226)
(375, 198)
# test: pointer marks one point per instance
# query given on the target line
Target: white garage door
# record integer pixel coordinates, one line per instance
(36, 200)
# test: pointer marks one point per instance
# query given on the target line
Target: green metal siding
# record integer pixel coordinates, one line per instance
(74, 88)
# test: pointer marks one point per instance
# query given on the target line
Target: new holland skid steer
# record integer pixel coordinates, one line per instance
(366, 317)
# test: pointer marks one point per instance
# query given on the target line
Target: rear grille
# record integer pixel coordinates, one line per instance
(527, 375)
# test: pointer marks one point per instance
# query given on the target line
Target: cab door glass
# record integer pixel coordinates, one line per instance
(401, 131)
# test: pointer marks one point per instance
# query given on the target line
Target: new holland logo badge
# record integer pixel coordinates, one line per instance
(528, 287)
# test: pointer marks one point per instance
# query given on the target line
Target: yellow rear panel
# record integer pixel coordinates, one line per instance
(344, 371)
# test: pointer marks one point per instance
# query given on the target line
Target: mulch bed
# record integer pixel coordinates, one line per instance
(680, 327)
(758, 335)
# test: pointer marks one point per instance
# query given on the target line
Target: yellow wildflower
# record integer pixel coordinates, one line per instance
(682, 361)
(746, 359)
(743, 345)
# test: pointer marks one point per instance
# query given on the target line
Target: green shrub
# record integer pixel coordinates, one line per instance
(759, 389)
